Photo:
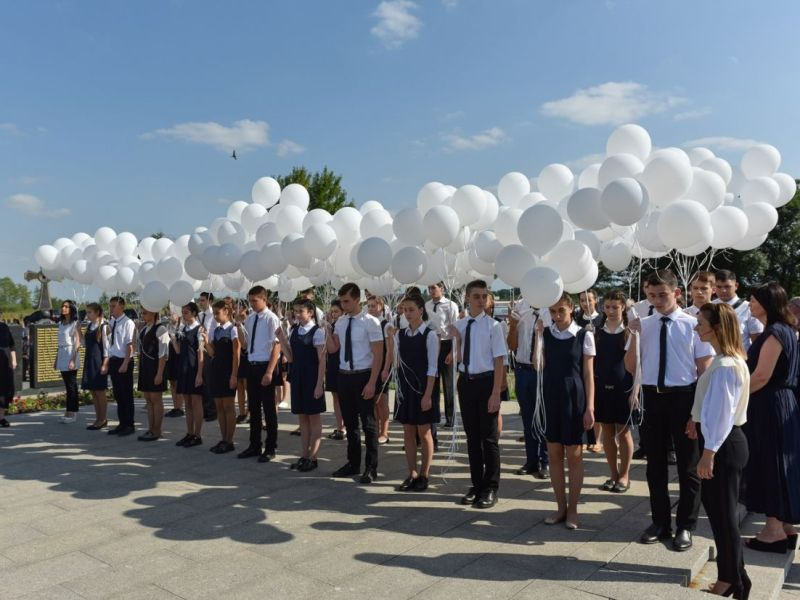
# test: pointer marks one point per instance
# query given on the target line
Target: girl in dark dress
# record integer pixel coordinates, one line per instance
(332, 374)
(417, 351)
(154, 345)
(95, 363)
(8, 364)
(773, 422)
(173, 368)
(305, 351)
(188, 343)
(612, 384)
(244, 364)
(224, 348)
(569, 404)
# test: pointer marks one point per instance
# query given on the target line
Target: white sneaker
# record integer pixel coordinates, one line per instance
(283, 404)
(66, 419)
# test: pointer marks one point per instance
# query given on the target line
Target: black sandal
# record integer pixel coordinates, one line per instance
(779, 547)
(620, 488)
(608, 486)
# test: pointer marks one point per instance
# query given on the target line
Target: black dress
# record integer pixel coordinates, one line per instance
(332, 370)
(303, 373)
(222, 366)
(148, 360)
(412, 379)
(95, 353)
(612, 383)
(187, 373)
(173, 364)
(7, 390)
(564, 395)
(773, 432)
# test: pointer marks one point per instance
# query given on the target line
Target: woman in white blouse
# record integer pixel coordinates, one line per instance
(719, 411)
(68, 359)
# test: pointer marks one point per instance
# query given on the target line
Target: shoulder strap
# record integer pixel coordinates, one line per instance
(737, 304)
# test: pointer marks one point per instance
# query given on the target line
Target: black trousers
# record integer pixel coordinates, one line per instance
(720, 496)
(664, 422)
(209, 407)
(355, 407)
(481, 428)
(71, 384)
(122, 384)
(261, 398)
(445, 380)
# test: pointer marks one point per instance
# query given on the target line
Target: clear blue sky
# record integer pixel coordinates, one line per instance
(99, 101)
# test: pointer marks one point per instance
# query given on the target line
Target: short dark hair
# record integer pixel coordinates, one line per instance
(589, 291)
(336, 303)
(117, 300)
(309, 293)
(207, 295)
(350, 289)
(663, 277)
(476, 283)
(308, 305)
(565, 297)
(725, 275)
(259, 291)
(704, 276)
(192, 308)
(775, 301)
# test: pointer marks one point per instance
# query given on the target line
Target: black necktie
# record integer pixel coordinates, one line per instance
(253, 333)
(113, 328)
(467, 336)
(650, 312)
(533, 335)
(203, 319)
(436, 305)
(662, 353)
(348, 344)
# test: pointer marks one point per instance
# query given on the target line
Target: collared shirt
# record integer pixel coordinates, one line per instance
(748, 324)
(486, 342)
(642, 308)
(162, 333)
(206, 319)
(121, 336)
(226, 330)
(692, 310)
(526, 326)
(446, 314)
(572, 331)
(319, 334)
(431, 346)
(364, 331)
(724, 403)
(260, 348)
(683, 347)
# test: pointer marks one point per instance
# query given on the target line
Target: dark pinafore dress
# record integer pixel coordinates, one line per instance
(148, 361)
(222, 365)
(303, 372)
(412, 379)
(187, 371)
(564, 395)
(173, 364)
(94, 355)
(332, 369)
(612, 383)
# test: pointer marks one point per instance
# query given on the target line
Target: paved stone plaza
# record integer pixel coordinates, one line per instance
(87, 515)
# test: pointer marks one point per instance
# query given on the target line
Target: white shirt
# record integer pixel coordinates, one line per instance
(683, 347)
(721, 399)
(365, 330)
(206, 319)
(66, 347)
(692, 310)
(319, 334)
(162, 333)
(260, 348)
(571, 332)
(431, 346)
(748, 324)
(526, 327)
(122, 334)
(642, 308)
(486, 342)
(226, 330)
(446, 314)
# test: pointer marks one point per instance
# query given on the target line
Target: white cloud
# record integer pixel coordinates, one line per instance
(33, 206)
(692, 114)
(396, 25)
(611, 103)
(722, 142)
(242, 135)
(450, 3)
(9, 128)
(584, 161)
(478, 141)
(287, 147)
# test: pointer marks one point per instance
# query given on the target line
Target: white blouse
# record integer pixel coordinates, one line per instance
(724, 404)
(66, 347)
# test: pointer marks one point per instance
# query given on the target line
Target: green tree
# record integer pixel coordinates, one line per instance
(324, 188)
(14, 296)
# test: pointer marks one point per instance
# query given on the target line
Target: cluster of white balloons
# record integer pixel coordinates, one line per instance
(544, 235)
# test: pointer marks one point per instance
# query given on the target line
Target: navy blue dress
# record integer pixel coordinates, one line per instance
(187, 370)
(564, 395)
(612, 383)
(148, 361)
(332, 369)
(222, 365)
(95, 353)
(773, 432)
(412, 379)
(303, 372)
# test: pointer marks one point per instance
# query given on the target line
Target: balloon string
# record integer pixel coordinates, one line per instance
(539, 424)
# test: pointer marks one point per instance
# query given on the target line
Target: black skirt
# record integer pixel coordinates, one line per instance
(244, 365)
(221, 369)
(7, 390)
(148, 369)
(332, 373)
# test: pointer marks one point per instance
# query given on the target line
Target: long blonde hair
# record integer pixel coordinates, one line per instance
(725, 324)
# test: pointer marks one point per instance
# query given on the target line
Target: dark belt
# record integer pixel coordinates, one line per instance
(475, 376)
(675, 389)
(256, 363)
(525, 366)
(356, 372)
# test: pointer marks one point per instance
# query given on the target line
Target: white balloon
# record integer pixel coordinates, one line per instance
(266, 192)
(161, 248)
(346, 222)
(62, 243)
(720, 166)
(469, 202)
(195, 268)
(761, 189)
(181, 292)
(555, 181)
(125, 280)
(615, 255)
(571, 258)
(320, 241)
(540, 228)
(252, 217)
(235, 211)
(228, 258)
(683, 223)
(374, 256)
(317, 215)
(409, 264)
(368, 206)
(590, 239)
(730, 226)
(787, 186)
(589, 177)
(407, 226)
(629, 139)
(198, 242)
(103, 258)
(505, 227)
(667, 176)
(762, 160)
(699, 155)
(154, 296)
(234, 282)
(80, 239)
(104, 238)
(584, 283)
(291, 217)
(585, 210)
(737, 181)
(440, 225)
(46, 256)
(618, 166)
(79, 271)
(431, 194)
(541, 287)
(294, 250)
(147, 272)
(624, 201)
(273, 260)
(268, 233)
(125, 244)
(295, 195)
(377, 223)
(750, 242)
(489, 215)
(487, 246)
(180, 248)
(512, 187)
(700, 246)
(106, 278)
(232, 232)
(707, 188)
(648, 235)
(169, 269)
(512, 263)
(762, 218)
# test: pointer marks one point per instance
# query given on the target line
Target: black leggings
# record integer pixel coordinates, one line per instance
(71, 384)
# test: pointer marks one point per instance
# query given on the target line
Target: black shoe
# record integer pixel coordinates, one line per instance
(249, 452)
(175, 412)
(791, 541)
(113, 430)
(297, 464)
(228, 447)
(4, 423)
(295, 432)
(682, 540)
(307, 466)
(526, 469)
(242, 419)
(90, 427)
(672, 459)
(183, 440)
(487, 500)
(435, 445)
(148, 436)
(368, 476)
(216, 449)
(266, 456)
(639, 454)
(126, 431)
(408, 484)
(336, 434)
(193, 441)
(470, 497)
(779, 547)
(347, 470)
(420, 484)
(542, 473)
(654, 533)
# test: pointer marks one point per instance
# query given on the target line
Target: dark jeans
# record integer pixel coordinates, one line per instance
(481, 428)
(525, 388)
(261, 398)
(71, 384)
(353, 408)
(664, 422)
(445, 380)
(122, 384)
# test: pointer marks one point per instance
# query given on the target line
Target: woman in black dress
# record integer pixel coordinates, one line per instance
(8, 364)
(612, 384)
(244, 363)
(188, 343)
(95, 363)
(773, 422)
(224, 348)
(173, 368)
(332, 374)
(417, 350)
(154, 345)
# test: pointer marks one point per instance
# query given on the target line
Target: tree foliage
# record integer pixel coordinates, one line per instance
(324, 188)
(14, 296)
